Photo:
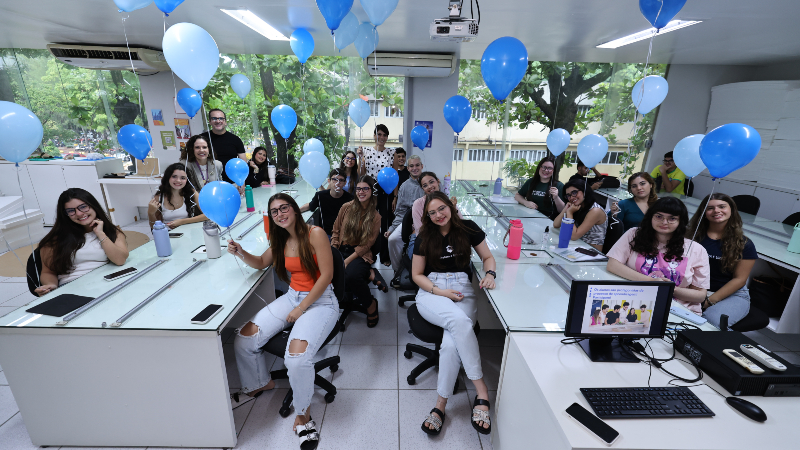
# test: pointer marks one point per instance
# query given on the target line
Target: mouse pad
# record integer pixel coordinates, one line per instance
(61, 305)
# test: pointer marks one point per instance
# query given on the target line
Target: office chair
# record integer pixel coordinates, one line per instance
(428, 333)
(754, 320)
(33, 270)
(614, 231)
(749, 204)
(278, 344)
(404, 271)
(347, 301)
(689, 187)
(316, 218)
(793, 219)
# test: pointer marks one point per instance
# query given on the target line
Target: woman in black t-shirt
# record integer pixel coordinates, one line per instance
(731, 257)
(441, 268)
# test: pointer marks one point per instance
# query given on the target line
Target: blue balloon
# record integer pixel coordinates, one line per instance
(237, 170)
(313, 145)
(131, 5)
(334, 11)
(190, 101)
(419, 136)
(359, 112)
(388, 179)
(558, 141)
(378, 10)
(285, 119)
(314, 168)
(240, 85)
(167, 6)
(366, 40)
(191, 53)
(457, 112)
(302, 44)
(220, 202)
(660, 12)
(503, 65)
(687, 155)
(20, 132)
(347, 31)
(135, 140)
(649, 92)
(592, 149)
(728, 148)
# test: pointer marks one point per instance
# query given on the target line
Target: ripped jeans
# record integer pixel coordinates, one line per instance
(313, 327)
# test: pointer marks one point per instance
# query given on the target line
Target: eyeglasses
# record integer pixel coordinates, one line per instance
(547, 169)
(363, 189)
(82, 208)
(668, 161)
(284, 208)
(572, 194)
(668, 219)
(338, 180)
(439, 210)
(349, 158)
(217, 119)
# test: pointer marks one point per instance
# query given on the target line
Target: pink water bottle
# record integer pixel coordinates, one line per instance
(514, 239)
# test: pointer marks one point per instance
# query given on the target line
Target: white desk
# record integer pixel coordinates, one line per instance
(157, 380)
(541, 377)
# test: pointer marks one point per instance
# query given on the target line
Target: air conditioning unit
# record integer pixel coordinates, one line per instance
(102, 57)
(433, 65)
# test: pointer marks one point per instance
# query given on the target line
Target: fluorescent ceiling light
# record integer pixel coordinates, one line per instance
(256, 23)
(646, 34)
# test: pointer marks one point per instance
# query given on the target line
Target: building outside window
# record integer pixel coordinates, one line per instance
(485, 155)
(458, 154)
(393, 111)
(374, 108)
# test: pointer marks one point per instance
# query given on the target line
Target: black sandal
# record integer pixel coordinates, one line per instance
(378, 281)
(372, 319)
(308, 434)
(435, 421)
(479, 415)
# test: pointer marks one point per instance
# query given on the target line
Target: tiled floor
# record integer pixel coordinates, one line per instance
(375, 407)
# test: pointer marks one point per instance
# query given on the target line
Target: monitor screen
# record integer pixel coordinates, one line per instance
(618, 308)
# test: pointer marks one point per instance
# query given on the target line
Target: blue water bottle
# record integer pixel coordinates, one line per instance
(161, 236)
(565, 235)
(498, 187)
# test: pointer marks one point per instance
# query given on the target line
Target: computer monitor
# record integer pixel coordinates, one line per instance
(605, 313)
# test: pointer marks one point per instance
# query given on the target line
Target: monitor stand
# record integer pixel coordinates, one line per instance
(607, 350)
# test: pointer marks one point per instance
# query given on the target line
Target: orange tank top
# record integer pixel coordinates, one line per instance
(301, 281)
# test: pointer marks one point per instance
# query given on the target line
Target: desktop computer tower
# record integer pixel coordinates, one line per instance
(705, 349)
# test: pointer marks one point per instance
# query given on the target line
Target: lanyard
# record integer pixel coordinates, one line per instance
(201, 171)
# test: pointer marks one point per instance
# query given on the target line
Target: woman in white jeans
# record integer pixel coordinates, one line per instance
(305, 253)
(442, 270)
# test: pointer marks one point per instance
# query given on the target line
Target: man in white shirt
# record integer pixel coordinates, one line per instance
(644, 315)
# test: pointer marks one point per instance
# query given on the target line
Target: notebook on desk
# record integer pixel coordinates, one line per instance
(572, 254)
(60, 305)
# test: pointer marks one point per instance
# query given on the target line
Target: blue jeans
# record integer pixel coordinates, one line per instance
(411, 240)
(736, 306)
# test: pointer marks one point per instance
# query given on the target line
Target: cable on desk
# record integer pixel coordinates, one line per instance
(696, 385)
(568, 341)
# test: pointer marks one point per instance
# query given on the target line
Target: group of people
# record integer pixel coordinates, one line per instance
(621, 314)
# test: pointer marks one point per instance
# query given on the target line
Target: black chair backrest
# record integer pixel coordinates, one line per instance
(33, 270)
(614, 231)
(316, 218)
(793, 219)
(338, 274)
(749, 204)
(407, 228)
(689, 187)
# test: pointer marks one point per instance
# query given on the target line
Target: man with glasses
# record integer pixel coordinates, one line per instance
(669, 177)
(329, 201)
(224, 144)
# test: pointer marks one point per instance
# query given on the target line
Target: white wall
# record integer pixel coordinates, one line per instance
(685, 110)
(158, 92)
(424, 100)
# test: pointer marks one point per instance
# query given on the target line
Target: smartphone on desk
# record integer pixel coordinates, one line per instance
(593, 423)
(175, 235)
(120, 274)
(204, 316)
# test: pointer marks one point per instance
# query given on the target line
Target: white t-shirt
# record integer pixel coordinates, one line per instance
(87, 258)
(374, 160)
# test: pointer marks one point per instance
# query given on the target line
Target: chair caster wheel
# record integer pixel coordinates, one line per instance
(341, 328)
(329, 398)
(401, 303)
(334, 368)
(284, 412)
(407, 354)
(411, 380)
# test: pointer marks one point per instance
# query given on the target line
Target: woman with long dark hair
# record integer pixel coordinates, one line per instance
(373, 159)
(354, 233)
(631, 210)
(350, 171)
(441, 268)
(258, 165)
(302, 252)
(589, 216)
(176, 203)
(543, 191)
(81, 240)
(731, 256)
(200, 162)
(658, 250)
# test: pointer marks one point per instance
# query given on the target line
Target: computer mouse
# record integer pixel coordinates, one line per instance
(748, 409)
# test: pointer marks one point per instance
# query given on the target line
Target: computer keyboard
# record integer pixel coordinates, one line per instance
(648, 403)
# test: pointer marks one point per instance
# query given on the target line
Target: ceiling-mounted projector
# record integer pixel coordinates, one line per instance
(454, 28)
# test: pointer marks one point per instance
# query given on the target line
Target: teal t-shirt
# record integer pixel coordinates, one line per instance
(540, 195)
(629, 214)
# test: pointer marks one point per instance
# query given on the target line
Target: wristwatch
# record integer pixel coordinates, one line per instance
(492, 273)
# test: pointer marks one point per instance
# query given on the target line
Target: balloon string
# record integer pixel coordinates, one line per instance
(208, 126)
(174, 86)
(703, 211)
(28, 226)
(133, 69)
(558, 100)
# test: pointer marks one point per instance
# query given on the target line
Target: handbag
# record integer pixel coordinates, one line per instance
(770, 294)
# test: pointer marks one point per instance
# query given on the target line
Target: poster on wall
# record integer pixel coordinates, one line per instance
(182, 132)
(168, 140)
(428, 124)
(158, 117)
